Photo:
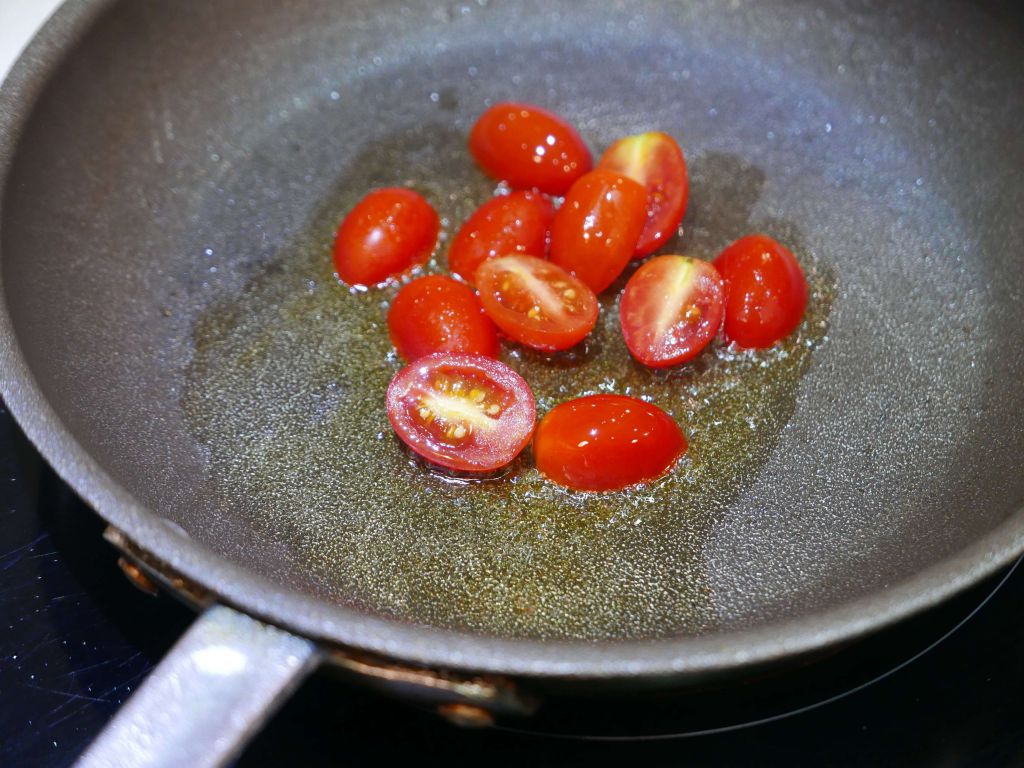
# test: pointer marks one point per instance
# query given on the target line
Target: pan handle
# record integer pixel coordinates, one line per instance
(207, 697)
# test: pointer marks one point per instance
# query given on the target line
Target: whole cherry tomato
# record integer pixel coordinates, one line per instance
(465, 412)
(766, 292)
(438, 314)
(535, 302)
(595, 232)
(671, 308)
(528, 147)
(655, 160)
(606, 442)
(504, 225)
(387, 233)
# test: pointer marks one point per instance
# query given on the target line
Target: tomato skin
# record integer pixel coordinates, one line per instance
(387, 233)
(606, 443)
(529, 147)
(516, 223)
(655, 160)
(535, 302)
(432, 405)
(671, 309)
(438, 314)
(766, 292)
(595, 232)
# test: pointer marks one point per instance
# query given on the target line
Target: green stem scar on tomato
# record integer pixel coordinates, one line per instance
(655, 160)
(606, 443)
(464, 412)
(766, 292)
(671, 309)
(535, 302)
(595, 232)
(529, 147)
(387, 233)
(516, 223)
(438, 314)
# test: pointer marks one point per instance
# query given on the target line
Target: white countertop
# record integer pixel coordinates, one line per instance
(19, 20)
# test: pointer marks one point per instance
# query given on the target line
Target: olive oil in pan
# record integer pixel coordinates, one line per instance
(286, 391)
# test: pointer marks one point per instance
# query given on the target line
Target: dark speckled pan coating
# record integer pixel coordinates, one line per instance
(174, 343)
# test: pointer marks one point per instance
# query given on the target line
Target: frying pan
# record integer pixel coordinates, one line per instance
(175, 345)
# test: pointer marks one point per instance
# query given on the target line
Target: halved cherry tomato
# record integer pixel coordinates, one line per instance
(438, 314)
(515, 223)
(529, 147)
(766, 292)
(465, 412)
(606, 442)
(387, 233)
(595, 231)
(535, 302)
(655, 160)
(671, 308)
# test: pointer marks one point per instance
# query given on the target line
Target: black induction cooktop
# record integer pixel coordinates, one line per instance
(944, 689)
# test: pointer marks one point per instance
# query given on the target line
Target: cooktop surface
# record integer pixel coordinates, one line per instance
(76, 638)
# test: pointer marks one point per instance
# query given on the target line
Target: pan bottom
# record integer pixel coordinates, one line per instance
(285, 391)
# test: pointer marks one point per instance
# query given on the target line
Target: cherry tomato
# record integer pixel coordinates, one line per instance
(387, 233)
(766, 292)
(515, 223)
(595, 231)
(671, 308)
(465, 412)
(606, 442)
(655, 160)
(535, 302)
(529, 147)
(438, 314)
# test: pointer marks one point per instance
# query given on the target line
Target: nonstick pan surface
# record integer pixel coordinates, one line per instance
(177, 346)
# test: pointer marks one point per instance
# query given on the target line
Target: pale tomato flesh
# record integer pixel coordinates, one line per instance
(671, 309)
(464, 412)
(535, 302)
(655, 160)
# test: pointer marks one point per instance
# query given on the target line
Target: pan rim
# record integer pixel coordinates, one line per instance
(669, 659)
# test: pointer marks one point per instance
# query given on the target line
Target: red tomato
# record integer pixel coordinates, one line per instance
(464, 412)
(606, 442)
(515, 223)
(655, 160)
(529, 147)
(388, 232)
(766, 292)
(671, 308)
(595, 231)
(438, 314)
(536, 302)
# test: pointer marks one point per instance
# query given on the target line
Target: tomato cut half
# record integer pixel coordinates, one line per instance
(595, 231)
(387, 233)
(671, 309)
(515, 223)
(655, 160)
(438, 314)
(529, 147)
(535, 302)
(766, 292)
(606, 442)
(464, 412)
